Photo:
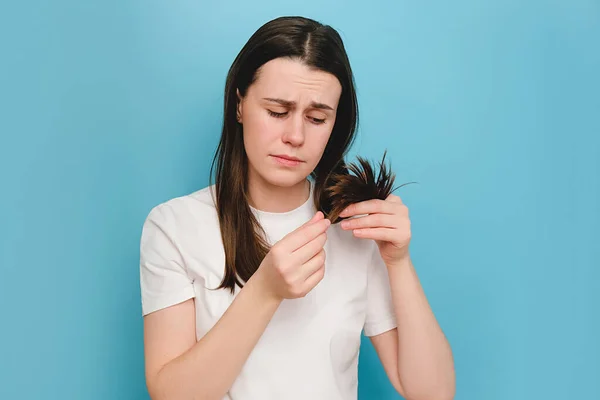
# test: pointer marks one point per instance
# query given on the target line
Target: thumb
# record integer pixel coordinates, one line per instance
(317, 217)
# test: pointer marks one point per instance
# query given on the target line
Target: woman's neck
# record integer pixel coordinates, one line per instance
(277, 199)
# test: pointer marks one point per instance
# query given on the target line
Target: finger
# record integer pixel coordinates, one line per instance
(315, 218)
(368, 207)
(310, 249)
(312, 266)
(318, 216)
(370, 221)
(383, 234)
(394, 199)
(298, 238)
(313, 280)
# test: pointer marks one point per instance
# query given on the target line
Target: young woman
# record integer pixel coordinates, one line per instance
(239, 298)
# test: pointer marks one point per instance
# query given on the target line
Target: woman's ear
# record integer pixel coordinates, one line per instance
(239, 106)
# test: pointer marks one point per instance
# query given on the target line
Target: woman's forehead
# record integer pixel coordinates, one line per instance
(289, 79)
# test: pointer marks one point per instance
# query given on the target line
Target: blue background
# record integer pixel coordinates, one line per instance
(110, 107)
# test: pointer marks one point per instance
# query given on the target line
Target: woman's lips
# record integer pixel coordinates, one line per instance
(286, 161)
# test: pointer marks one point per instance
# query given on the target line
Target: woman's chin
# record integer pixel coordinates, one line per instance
(287, 179)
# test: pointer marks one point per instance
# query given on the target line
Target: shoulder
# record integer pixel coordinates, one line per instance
(184, 213)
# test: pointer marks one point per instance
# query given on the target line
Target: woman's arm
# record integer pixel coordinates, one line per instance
(422, 357)
(178, 367)
(418, 351)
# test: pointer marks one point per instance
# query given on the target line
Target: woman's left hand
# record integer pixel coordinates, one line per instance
(387, 223)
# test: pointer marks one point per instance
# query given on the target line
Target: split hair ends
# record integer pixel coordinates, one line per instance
(354, 183)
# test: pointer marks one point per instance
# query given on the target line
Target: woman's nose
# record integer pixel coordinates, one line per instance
(294, 131)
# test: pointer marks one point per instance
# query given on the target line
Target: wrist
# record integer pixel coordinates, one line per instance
(402, 262)
(259, 284)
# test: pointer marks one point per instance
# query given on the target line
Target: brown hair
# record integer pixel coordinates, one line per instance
(318, 46)
(355, 183)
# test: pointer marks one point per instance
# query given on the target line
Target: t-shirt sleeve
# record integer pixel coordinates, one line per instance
(380, 316)
(163, 278)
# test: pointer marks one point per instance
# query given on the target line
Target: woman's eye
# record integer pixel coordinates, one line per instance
(276, 114)
(314, 120)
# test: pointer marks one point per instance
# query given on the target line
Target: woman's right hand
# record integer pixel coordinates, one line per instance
(296, 263)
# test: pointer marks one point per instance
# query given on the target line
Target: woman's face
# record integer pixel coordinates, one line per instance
(287, 113)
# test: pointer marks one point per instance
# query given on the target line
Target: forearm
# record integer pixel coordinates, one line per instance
(210, 367)
(425, 364)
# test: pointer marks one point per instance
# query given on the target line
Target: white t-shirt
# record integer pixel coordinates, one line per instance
(310, 348)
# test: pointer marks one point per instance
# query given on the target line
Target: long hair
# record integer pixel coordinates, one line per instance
(318, 46)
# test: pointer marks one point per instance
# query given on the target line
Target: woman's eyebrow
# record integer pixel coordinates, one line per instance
(292, 104)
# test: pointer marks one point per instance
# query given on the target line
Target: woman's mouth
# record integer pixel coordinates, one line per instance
(288, 161)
